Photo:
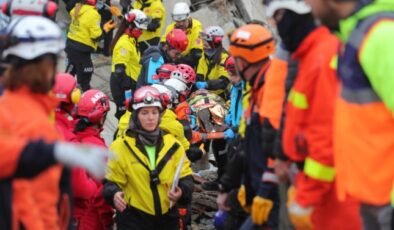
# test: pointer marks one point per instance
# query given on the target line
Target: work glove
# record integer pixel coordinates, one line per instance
(115, 11)
(194, 153)
(241, 196)
(201, 85)
(229, 134)
(108, 26)
(90, 157)
(261, 208)
(299, 216)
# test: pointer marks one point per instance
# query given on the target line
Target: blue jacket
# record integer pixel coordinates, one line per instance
(236, 96)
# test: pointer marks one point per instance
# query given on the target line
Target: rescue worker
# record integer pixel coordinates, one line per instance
(91, 212)
(32, 55)
(192, 27)
(82, 39)
(230, 181)
(126, 57)
(140, 181)
(156, 11)
(363, 122)
(211, 74)
(251, 46)
(307, 136)
(67, 93)
(167, 52)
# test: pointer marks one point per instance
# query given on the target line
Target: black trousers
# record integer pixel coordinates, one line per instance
(219, 152)
(134, 219)
(118, 86)
(80, 65)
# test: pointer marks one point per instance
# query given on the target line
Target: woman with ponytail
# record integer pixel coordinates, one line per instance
(126, 57)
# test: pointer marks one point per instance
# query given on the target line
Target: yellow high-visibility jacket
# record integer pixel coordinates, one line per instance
(215, 72)
(193, 35)
(154, 9)
(133, 178)
(125, 52)
(86, 26)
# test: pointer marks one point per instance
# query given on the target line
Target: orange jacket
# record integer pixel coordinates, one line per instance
(11, 149)
(308, 131)
(274, 91)
(35, 201)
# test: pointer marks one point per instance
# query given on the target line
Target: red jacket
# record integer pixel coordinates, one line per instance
(90, 208)
(309, 128)
(65, 126)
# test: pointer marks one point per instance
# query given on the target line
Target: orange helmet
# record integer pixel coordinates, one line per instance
(252, 43)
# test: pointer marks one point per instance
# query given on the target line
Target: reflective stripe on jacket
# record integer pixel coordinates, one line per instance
(364, 123)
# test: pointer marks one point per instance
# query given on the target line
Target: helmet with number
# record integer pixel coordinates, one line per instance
(146, 96)
(184, 73)
(31, 37)
(93, 105)
(213, 35)
(180, 87)
(229, 65)
(177, 39)
(297, 6)
(164, 71)
(140, 20)
(252, 43)
(181, 11)
(65, 89)
(168, 96)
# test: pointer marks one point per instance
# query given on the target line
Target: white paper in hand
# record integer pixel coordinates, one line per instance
(177, 176)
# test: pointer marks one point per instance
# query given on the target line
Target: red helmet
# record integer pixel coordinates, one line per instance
(146, 96)
(65, 89)
(188, 74)
(93, 105)
(164, 72)
(177, 39)
(229, 65)
(91, 2)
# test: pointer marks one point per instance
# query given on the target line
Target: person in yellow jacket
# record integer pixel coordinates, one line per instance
(156, 11)
(142, 181)
(83, 35)
(192, 27)
(211, 74)
(126, 57)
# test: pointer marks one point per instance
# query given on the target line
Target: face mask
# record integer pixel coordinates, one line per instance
(210, 53)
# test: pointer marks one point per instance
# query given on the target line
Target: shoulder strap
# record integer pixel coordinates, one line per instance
(358, 34)
(167, 157)
(135, 155)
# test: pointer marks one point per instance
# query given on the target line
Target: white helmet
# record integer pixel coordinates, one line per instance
(141, 21)
(297, 6)
(179, 86)
(32, 36)
(211, 33)
(181, 11)
(169, 96)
